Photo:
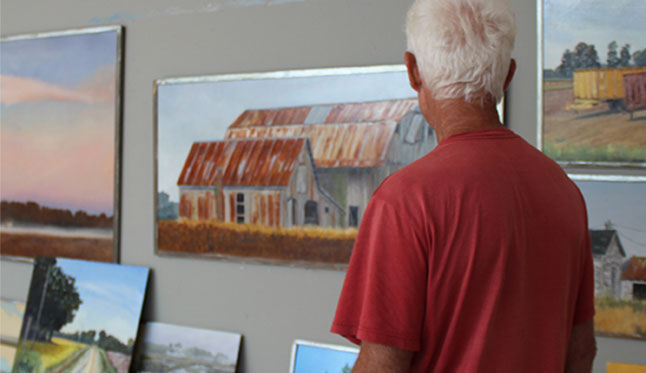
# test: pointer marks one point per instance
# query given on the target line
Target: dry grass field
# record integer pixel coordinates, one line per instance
(315, 245)
(596, 134)
(620, 317)
(33, 245)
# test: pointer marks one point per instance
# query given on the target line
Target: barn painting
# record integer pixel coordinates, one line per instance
(279, 167)
(618, 243)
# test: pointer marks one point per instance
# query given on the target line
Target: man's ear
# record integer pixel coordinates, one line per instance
(510, 74)
(414, 77)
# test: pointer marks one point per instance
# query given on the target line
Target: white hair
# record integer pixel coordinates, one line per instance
(463, 47)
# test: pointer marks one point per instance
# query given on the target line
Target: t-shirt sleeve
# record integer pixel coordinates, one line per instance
(584, 311)
(384, 294)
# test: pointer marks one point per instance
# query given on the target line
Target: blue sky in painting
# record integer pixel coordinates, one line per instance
(621, 203)
(311, 359)
(192, 112)
(112, 297)
(567, 22)
(69, 59)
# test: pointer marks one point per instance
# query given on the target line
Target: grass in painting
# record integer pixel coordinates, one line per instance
(39, 356)
(106, 366)
(311, 244)
(557, 149)
(33, 245)
(617, 316)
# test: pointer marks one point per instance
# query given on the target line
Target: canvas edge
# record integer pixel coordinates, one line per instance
(118, 145)
(214, 78)
(302, 342)
(119, 86)
(65, 32)
(608, 178)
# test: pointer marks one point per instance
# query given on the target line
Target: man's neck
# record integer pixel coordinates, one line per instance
(452, 117)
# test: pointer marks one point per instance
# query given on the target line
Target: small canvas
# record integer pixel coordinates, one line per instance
(617, 223)
(80, 316)
(59, 98)
(172, 348)
(11, 313)
(593, 82)
(312, 357)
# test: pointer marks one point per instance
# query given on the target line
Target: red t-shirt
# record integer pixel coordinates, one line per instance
(476, 256)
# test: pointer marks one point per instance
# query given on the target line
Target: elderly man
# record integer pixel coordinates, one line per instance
(475, 258)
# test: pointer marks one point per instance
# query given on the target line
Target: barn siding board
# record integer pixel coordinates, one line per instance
(232, 207)
(270, 212)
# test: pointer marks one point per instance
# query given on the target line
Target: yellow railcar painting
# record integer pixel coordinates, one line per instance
(602, 84)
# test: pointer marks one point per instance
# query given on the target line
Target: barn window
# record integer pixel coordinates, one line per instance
(311, 212)
(240, 208)
(327, 210)
(353, 220)
(639, 291)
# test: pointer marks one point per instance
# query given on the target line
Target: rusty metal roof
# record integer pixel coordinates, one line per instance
(635, 270)
(377, 111)
(334, 145)
(242, 162)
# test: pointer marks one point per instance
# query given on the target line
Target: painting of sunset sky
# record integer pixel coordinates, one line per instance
(59, 121)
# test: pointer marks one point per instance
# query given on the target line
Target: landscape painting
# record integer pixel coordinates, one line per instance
(278, 167)
(594, 82)
(311, 357)
(172, 348)
(59, 99)
(617, 223)
(81, 316)
(11, 313)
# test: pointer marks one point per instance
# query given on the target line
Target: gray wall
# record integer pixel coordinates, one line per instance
(270, 306)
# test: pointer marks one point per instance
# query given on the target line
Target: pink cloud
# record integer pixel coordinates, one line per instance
(96, 89)
(71, 165)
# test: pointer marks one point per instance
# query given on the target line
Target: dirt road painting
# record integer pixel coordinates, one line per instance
(594, 82)
(80, 317)
(59, 99)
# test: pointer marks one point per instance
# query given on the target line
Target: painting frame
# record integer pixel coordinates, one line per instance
(622, 297)
(119, 68)
(327, 346)
(330, 72)
(602, 167)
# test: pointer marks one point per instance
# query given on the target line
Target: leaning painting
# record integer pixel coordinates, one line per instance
(279, 167)
(81, 316)
(60, 124)
(313, 357)
(618, 239)
(594, 82)
(174, 348)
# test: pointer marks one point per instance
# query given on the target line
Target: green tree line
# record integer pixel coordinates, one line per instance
(585, 56)
(32, 212)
